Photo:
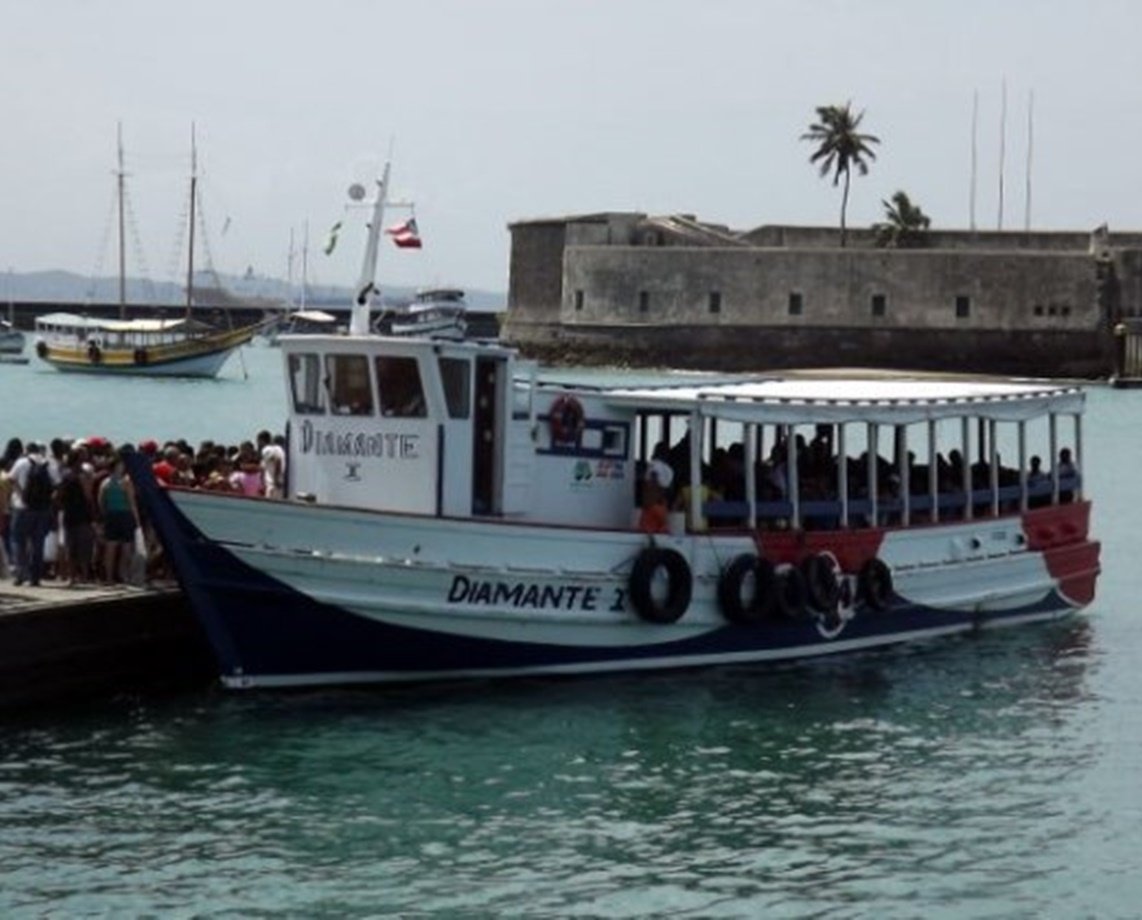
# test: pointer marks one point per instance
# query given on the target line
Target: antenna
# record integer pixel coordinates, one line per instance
(1002, 147)
(1030, 145)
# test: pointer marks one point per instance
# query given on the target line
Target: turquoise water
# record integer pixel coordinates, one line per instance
(994, 776)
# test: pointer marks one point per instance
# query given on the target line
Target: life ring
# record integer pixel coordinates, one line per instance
(647, 596)
(140, 356)
(566, 419)
(791, 594)
(94, 354)
(740, 601)
(42, 348)
(875, 584)
(824, 590)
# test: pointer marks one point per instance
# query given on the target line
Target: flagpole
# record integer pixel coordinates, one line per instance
(366, 283)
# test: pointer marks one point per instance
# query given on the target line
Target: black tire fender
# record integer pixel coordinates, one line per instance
(648, 565)
(821, 582)
(736, 604)
(875, 584)
(791, 594)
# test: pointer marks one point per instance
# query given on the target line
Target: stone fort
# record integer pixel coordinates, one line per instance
(632, 289)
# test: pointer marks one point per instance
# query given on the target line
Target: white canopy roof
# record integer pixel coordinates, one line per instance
(72, 321)
(889, 401)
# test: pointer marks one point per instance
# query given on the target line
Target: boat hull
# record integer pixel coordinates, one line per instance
(193, 357)
(432, 598)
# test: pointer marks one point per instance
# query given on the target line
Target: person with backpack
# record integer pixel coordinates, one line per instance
(34, 485)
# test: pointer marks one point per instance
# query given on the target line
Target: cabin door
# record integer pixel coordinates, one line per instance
(487, 445)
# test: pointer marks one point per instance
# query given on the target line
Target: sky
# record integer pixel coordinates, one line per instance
(498, 111)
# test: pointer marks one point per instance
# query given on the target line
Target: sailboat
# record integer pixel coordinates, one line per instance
(178, 347)
(11, 338)
(300, 319)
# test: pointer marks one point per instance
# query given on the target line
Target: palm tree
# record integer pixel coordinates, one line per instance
(904, 225)
(840, 147)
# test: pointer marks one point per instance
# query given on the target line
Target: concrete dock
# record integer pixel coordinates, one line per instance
(60, 643)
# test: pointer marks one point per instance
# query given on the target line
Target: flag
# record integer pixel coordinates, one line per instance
(332, 241)
(406, 235)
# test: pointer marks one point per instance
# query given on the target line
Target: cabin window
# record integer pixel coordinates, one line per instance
(963, 306)
(305, 384)
(402, 393)
(456, 375)
(350, 392)
(795, 303)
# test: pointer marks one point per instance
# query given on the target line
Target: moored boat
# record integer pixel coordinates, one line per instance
(436, 312)
(154, 346)
(12, 340)
(453, 511)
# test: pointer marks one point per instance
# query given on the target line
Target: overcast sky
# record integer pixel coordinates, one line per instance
(510, 109)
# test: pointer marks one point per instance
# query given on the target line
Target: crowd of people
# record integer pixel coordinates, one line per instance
(68, 510)
(664, 484)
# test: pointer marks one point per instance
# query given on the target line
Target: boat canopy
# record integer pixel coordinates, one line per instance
(90, 324)
(879, 401)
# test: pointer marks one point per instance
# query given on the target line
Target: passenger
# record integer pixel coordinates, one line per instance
(117, 507)
(75, 507)
(1067, 472)
(32, 499)
(682, 503)
(273, 459)
(654, 515)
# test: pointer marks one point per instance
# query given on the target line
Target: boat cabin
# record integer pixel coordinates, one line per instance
(465, 429)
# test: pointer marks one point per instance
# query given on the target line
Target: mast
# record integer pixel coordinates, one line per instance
(121, 192)
(366, 284)
(190, 248)
(304, 264)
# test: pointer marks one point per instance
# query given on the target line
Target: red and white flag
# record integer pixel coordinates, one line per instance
(405, 235)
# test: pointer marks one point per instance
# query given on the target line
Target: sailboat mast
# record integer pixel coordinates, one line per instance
(366, 284)
(190, 248)
(304, 264)
(121, 192)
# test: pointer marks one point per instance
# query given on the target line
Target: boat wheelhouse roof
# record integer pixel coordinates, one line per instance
(91, 324)
(894, 401)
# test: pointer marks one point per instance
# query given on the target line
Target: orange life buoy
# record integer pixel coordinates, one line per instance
(566, 419)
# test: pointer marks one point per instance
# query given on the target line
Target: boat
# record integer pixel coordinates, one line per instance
(455, 511)
(12, 340)
(183, 346)
(435, 312)
(304, 321)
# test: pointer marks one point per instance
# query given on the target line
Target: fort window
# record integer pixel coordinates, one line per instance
(879, 302)
(1052, 310)
(715, 301)
(1038, 309)
(578, 300)
(963, 306)
(795, 303)
(643, 301)
(1065, 311)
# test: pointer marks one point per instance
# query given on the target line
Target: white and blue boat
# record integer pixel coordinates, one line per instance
(451, 512)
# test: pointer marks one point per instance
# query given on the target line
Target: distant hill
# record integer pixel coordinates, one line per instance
(67, 287)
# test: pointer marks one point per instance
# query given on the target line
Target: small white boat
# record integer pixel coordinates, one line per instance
(12, 340)
(453, 512)
(305, 322)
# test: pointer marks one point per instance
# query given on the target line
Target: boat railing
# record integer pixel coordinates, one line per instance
(826, 513)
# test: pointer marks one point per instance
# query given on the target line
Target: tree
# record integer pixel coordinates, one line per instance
(840, 147)
(904, 225)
